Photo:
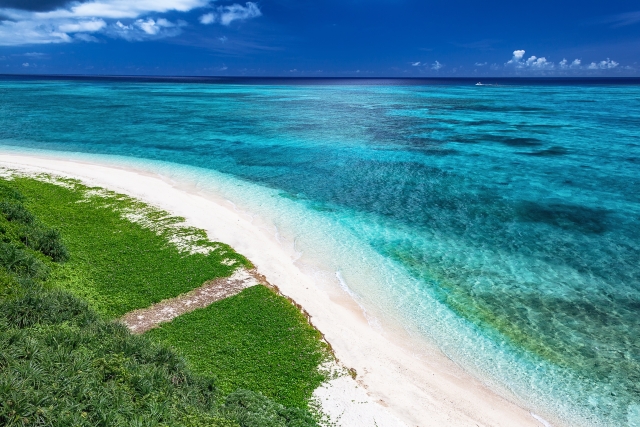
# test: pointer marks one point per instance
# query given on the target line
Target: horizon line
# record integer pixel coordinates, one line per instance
(223, 79)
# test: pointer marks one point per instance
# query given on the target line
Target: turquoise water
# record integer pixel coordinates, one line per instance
(503, 223)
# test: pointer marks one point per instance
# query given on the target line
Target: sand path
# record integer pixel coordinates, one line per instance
(140, 321)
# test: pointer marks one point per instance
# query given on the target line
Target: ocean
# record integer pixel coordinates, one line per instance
(500, 222)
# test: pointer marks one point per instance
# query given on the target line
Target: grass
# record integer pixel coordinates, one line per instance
(117, 264)
(255, 340)
(72, 258)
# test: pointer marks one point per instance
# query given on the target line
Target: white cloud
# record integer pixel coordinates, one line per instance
(225, 15)
(25, 64)
(603, 65)
(65, 24)
(565, 65)
(34, 54)
(152, 27)
(84, 37)
(83, 26)
(14, 33)
(436, 66)
(145, 29)
(149, 26)
(539, 63)
(123, 27)
(415, 64)
(517, 57)
(207, 19)
(480, 64)
(533, 63)
(119, 9)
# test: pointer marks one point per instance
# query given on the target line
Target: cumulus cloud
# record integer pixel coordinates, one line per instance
(517, 56)
(65, 22)
(539, 63)
(225, 15)
(603, 65)
(416, 64)
(436, 66)
(534, 63)
(565, 65)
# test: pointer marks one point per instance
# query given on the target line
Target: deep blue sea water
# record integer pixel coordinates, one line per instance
(501, 222)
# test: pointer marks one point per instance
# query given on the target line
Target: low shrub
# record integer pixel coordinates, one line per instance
(45, 240)
(19, 261)
(15, 211)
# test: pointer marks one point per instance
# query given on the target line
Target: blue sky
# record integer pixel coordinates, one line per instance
(366, 38)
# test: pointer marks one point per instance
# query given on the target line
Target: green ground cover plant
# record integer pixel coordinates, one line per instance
(255, 340)
(64, 364)
(125, 254)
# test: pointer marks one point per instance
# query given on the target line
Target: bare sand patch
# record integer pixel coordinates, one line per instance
(144, 319)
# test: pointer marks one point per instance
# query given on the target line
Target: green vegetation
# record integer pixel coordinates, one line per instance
(62, 363)
(255, 340)
(117, 264)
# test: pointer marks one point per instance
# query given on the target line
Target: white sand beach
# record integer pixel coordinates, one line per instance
(394, 386)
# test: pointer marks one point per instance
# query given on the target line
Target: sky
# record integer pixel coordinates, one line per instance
(321, 38)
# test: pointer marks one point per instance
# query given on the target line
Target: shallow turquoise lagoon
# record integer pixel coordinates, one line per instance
(502, 222)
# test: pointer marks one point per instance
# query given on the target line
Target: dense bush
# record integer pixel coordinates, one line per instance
(15, 211)
(60, 365)
(96, 374)
(28, 230)
(45, 240)
(22, 263)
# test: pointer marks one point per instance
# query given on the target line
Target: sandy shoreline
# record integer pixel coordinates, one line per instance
(421, 391)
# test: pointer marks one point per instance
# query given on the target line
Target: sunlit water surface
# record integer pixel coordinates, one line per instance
(500, 222)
